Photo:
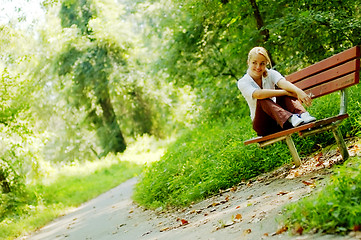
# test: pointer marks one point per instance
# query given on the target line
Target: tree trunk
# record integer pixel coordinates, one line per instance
(3, 183)
(259, 20)
(115, 142)
(260, 26)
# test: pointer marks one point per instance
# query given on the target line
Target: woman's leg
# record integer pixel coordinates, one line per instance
(270, 117)
(291, 104)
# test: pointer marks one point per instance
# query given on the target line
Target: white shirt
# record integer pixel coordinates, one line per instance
(247, 86)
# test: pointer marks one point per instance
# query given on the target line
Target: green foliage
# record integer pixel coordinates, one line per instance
(77, 13)
(335, 209)
(18, 144)
(90, 65)
(310, 31)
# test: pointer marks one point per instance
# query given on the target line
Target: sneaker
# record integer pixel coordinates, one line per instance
(307, 118)
(295, 120)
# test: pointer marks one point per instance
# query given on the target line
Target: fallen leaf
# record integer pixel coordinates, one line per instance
(146, 233)
(165, 229)
(191, 212)
(356, 228)
(229, 223)
(282, 230)
(308, 183)
(213, 204)
(238, 217)
(184, 222)
(281, 193)
(318, 156)
(299, 230)
(247, 231)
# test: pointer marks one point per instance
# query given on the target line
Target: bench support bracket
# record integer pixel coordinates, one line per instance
(293, 150)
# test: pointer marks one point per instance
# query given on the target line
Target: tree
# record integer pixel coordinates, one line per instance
(91, 67)
(17, 149)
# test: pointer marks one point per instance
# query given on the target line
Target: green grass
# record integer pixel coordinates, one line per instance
(335, 209)
(68, 187)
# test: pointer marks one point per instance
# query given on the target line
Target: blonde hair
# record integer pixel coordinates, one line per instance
(262, 51)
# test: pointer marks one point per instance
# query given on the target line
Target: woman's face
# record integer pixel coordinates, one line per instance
(257, 65)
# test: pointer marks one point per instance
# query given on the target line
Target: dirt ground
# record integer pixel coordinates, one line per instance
(249, 211)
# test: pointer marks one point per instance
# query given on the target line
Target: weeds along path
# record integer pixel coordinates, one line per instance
(247, 211)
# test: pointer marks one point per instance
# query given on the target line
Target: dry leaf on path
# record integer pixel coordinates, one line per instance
(309, 183)
(281, 230)
(184, 222)
(238, 217)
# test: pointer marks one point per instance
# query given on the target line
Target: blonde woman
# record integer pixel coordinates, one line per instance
(274, 102)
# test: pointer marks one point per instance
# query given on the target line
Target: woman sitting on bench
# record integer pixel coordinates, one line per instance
(272, 109)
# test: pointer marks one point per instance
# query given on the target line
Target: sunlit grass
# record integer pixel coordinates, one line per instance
(146, 149)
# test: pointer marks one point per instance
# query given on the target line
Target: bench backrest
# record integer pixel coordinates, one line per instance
(329, 75)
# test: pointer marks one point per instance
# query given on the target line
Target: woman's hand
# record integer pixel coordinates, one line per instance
(293, 91)
(304, 98)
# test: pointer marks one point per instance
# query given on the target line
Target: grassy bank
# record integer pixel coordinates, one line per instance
(201, 162)
(335, 209)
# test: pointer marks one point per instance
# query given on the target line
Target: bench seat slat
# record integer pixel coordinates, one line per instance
(297, 129)
(327, 63)
(346, 68)
(334, 85)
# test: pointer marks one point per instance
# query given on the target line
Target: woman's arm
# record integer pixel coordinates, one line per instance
(294, 91)
(268, 93)
(287, 88)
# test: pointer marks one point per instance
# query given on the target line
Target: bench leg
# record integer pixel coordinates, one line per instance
(340, 143)
(293, 150)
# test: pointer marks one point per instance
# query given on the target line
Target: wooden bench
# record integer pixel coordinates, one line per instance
(335, 73)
